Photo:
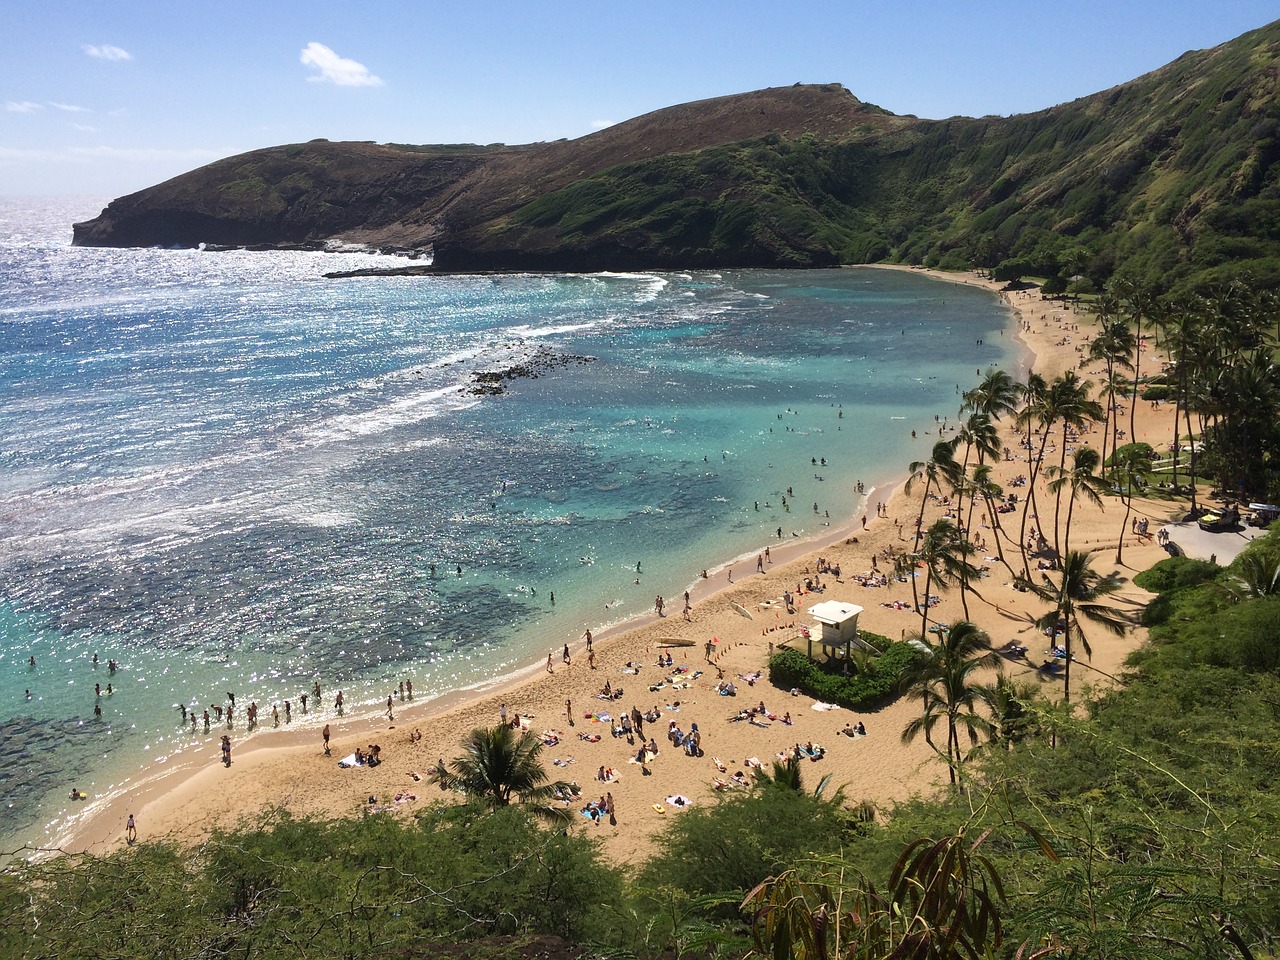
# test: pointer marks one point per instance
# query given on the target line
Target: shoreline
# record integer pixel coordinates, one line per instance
(164, 802)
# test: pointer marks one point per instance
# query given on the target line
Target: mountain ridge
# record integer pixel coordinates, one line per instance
(1172, 174)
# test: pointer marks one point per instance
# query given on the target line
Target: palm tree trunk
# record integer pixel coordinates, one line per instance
(924, 607)
(1066, 673)
(1191, 442)
(998, 530)
(1127, 497)
(1057, 499)
(915, 544)
(953, 748)
(1031, 507)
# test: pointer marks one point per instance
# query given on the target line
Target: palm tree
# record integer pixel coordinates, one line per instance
(944, 679)
(1255, 577)
(1074, 408)
(944, 551)
(1007, 700)
(981, 483)
(1140, 304)
(1077, 592)
(498, 763)
(1132, 469)
(1037, 410)
(978, 434)
(1113, 346)
(997, 395)
(1082, 480)
(1181, 327)
(786, 775)
(940, 466)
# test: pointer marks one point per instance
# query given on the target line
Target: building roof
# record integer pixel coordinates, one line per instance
(834, 612)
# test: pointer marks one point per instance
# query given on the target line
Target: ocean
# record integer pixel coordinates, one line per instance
(226, 473)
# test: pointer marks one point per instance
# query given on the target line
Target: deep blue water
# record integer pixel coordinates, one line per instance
(225, 472)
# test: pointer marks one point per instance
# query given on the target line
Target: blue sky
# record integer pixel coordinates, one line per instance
(105, 98)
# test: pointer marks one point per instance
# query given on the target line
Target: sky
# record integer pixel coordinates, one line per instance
(105, 98)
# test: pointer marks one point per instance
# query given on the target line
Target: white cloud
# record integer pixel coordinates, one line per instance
(24, 106)
(601, 124)
(68, 107)
(85, 128)
(106, 52)
(335, 69)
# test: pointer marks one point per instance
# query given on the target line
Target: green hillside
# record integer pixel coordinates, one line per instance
(1173, 174)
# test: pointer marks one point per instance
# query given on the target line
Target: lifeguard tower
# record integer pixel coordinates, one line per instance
(835, 628)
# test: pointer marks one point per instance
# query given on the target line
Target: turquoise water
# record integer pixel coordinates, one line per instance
(226, 473)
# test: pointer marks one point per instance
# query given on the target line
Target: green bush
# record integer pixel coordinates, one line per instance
(864, 690)
(1123, 453)
(1176, 573)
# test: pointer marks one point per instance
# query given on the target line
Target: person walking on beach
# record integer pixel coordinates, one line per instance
(591, 659)
(288, 712)
(567, 661)
(550, 668)
(568, 709)
(226, 750)
(130, 831)
(587, 636)
(303, 698)
(390, 704)
(408, 688)
(337, 703)
(325, 733)
(502, 713)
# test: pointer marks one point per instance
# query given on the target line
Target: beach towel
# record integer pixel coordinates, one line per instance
(349, 761)
(679, 801)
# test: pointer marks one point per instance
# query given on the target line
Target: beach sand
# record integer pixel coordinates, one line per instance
(273, 769)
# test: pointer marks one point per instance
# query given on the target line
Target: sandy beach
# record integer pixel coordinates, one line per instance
(286, 768)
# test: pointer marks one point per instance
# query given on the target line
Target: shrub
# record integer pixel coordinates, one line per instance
(866, 689)
(1176, 573)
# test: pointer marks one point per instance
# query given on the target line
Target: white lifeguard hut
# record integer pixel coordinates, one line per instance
(835, 628)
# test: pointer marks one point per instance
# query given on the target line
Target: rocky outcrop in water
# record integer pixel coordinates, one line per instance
(489, 383)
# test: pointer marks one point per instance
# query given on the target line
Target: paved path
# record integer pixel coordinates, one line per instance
(1222, 548)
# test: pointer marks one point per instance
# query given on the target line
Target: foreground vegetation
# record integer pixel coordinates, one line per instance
(1146, 828)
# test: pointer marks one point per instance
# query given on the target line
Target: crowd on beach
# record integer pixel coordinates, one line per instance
(675, 747)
